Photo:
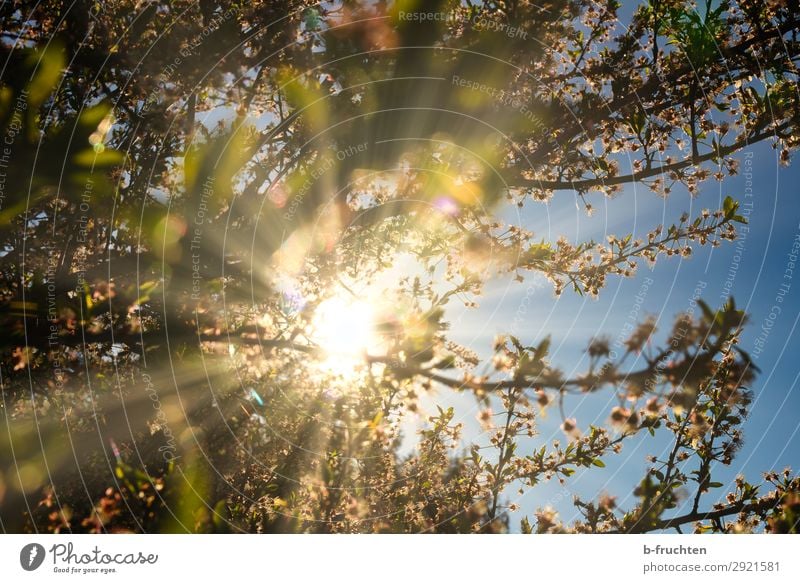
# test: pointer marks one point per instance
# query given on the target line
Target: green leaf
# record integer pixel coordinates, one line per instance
(92, 116)
(598, 462)
(730, 206)
(525, 526)
(145, 290)
(49, 66)
(221, 516)
(543, 349)
(103, 159)
(448, 361)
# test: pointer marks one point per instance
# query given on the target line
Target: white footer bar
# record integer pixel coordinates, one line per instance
(402, 558)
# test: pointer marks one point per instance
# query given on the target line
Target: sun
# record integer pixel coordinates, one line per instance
(344, 328)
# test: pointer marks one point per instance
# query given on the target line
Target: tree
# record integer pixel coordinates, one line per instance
(200, 199)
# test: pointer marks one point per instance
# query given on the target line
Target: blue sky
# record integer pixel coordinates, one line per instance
(760, 263)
